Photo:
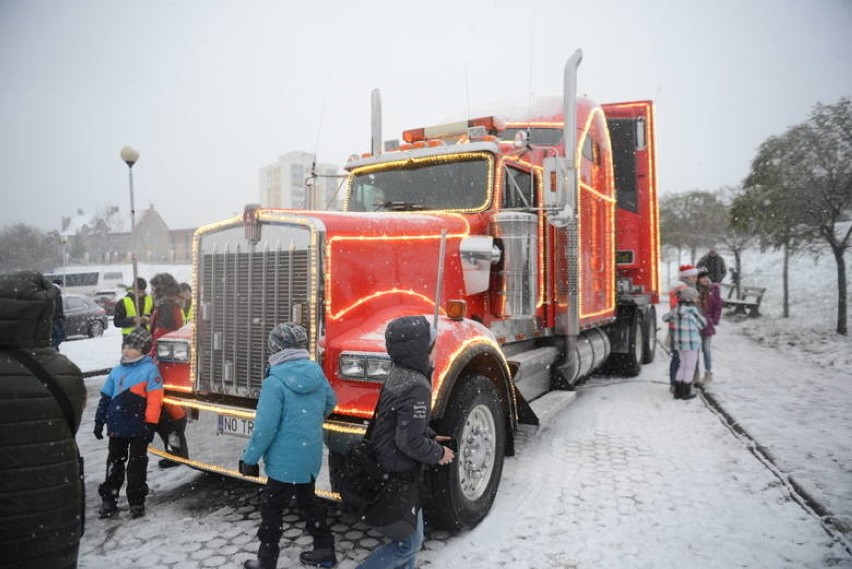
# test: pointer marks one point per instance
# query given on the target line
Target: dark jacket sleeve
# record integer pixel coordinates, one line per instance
(412, 427)
(100, 414)
(120, 318)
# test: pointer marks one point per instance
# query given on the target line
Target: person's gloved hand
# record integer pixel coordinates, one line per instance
(150, 430)
(99, 431)
(249, 469)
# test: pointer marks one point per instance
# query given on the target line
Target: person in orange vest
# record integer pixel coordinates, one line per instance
(188, 308)
(125, 311)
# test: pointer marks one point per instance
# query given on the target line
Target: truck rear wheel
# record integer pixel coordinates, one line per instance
(649, 347)
(462, 492)
(630, 364)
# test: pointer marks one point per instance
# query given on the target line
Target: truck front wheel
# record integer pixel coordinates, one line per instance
(461, 494)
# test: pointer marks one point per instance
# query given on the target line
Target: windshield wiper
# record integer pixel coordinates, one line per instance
(400, 206)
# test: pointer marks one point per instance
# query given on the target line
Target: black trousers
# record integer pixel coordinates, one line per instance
(276, 497)
(134, 453)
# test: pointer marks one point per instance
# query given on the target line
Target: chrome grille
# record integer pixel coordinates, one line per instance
(245, 290)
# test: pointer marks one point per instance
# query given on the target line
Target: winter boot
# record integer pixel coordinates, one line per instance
(108, 508)
(137, 511)
(708, 377)
(686, 391)
(678, 389)
(267, 557)
(318, 558)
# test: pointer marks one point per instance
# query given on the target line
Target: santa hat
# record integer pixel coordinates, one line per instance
(688, 271)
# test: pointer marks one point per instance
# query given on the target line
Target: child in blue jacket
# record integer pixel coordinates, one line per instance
(294, 401)
(130, 405)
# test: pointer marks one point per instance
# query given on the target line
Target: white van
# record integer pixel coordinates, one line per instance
(88, 282)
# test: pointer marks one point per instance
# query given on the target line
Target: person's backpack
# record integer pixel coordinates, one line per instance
(360, 478)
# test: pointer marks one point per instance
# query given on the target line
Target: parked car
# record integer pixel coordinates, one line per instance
(83, 317)
(107, 300)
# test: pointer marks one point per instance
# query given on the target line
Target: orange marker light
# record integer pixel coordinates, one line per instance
(456, 309)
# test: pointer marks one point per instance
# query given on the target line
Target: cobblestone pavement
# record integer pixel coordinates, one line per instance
(620, 502)
(224, 514)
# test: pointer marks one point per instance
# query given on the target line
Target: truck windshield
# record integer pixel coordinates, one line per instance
(422, 184)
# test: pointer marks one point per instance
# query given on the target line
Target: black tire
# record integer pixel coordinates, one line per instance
(630, 364)
(462, 493)
(96, 329)
(649, 350)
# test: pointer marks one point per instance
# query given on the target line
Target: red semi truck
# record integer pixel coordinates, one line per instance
(534, 238)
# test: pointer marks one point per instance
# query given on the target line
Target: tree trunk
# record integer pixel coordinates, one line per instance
(841, 289)
(785, 293)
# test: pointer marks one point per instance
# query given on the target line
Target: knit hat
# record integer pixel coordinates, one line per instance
(688, 271)
(702, 271)
(287, 335)
(139, 339)
(687, 294)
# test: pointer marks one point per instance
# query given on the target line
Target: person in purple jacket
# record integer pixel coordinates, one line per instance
(710, 303)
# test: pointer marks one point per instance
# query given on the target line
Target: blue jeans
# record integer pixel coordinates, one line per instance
(707, 348)
(673, 365)
(397, 554)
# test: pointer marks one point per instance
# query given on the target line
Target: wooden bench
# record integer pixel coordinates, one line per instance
(748, 301)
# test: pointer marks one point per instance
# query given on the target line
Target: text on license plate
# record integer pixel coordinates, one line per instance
(235, 426)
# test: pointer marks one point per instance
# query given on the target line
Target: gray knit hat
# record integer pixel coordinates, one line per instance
(287, 335)
(140, 339)
(687, 294)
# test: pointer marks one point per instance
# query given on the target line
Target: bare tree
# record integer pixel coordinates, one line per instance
(693, 221)
(800, 187)
(23, 247)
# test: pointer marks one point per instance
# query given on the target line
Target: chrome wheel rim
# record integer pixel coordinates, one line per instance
(477, 450)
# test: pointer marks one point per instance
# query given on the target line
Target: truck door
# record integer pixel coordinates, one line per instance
(631, 130)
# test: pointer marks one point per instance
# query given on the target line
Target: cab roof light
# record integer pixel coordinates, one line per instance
(414, 135)
(488, 123)
(452, 130)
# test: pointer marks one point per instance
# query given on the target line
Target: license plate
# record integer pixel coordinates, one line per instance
(235, 427)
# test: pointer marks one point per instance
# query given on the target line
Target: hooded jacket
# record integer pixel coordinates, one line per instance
(40, 489)
(295, 399)
(401, 436)
(687, 324)
(131, 397)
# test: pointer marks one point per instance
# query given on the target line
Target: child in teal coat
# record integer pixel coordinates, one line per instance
(294, 401)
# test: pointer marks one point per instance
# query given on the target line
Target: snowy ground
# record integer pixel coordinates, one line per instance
(619, 475)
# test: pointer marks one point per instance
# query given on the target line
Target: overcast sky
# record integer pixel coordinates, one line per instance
(210, 91)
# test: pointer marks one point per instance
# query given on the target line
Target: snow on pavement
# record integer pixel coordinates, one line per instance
(618, 475)
(628, 477)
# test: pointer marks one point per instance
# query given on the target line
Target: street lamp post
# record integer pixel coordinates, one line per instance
(130, 156)
(64, 240)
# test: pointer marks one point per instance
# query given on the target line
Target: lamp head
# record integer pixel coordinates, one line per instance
(129, 155)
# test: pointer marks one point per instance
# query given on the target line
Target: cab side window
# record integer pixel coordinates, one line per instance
(518, 189)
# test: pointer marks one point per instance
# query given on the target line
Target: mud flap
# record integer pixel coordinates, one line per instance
(526, 416)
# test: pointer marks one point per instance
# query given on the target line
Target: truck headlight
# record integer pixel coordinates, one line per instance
(364, 366)
(172, 351)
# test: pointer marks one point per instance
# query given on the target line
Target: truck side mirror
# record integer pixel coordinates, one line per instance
(559, 200)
